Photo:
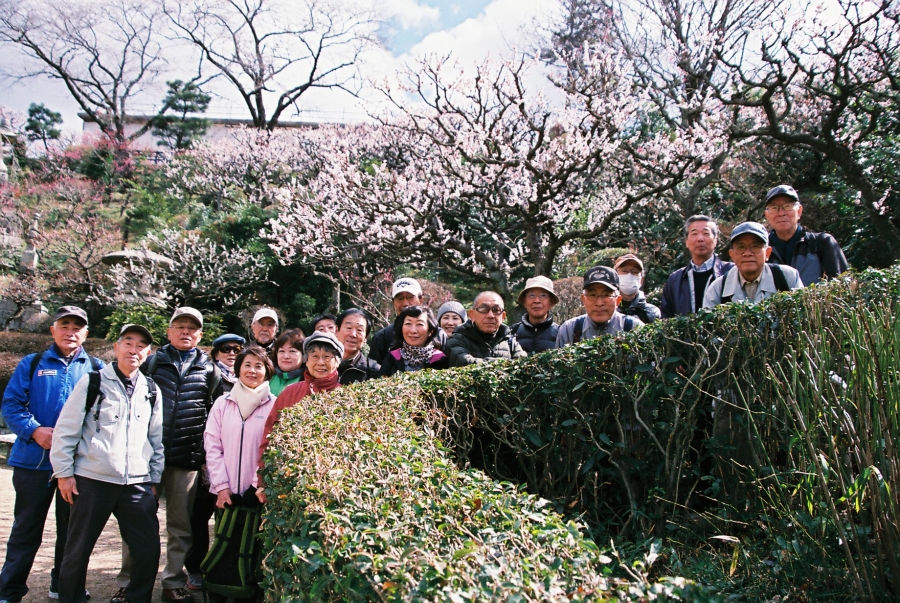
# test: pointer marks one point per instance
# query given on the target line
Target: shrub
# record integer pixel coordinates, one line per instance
(156, 319)
(366, 505)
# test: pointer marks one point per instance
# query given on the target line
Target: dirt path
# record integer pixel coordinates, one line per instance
(105, 561)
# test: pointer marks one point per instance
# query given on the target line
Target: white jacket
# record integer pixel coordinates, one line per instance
(729, 284)
(119, 441)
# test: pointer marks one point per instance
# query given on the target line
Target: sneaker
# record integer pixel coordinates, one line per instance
(177, 595)
(54, 594)
(195, 582)
(119, 597)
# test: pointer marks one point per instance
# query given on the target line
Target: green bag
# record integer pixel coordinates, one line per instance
(232, 567)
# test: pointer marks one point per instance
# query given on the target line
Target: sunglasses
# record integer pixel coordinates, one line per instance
(231, 349)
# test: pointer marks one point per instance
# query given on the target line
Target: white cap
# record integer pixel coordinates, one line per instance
(407, 284)
(265, 313)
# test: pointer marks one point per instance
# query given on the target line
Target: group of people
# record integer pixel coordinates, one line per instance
(110, 440)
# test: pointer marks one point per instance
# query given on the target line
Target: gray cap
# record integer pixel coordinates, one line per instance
(133, 328)
(782, 190)
(451, 306)
(70, 311)
(329, 339)
(189, 312)
(754, 228)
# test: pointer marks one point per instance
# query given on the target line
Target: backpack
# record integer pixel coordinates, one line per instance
(94, 394)
(781, 283)
(232, 567)
(579, 327)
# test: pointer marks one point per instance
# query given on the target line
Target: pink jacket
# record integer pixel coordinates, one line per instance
(232, 444)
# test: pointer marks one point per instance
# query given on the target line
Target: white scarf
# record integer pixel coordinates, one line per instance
(248, 399)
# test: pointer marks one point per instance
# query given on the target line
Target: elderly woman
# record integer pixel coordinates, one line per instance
(234, 431)
(323, 354)
(288, 357)
(413, 348)
(450, 315)
(225, 350)
(353, 328)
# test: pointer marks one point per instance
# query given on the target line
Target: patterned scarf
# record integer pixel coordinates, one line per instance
(416, 357)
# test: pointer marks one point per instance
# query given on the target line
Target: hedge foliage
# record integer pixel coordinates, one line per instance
(775, 423)
(366, 505)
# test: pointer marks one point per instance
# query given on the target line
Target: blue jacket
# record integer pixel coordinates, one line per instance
(676, 297)
(29, 404)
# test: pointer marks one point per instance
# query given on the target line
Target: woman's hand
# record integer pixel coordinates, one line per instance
(224, 498)
(260, 495)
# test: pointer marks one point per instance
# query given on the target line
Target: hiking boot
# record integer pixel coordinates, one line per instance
(195, 582)
(119, 597)
(177, 595)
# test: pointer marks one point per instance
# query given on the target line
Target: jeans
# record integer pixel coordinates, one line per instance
(135, 508)
(34, 493)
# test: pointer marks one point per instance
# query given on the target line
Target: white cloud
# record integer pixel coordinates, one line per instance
(409, 14)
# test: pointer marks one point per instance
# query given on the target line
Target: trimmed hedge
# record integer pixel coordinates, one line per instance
(365, 505)
(775, 423)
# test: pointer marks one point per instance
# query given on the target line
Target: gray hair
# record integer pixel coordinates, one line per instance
(701, 218)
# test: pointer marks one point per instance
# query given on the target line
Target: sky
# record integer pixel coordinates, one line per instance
(468, 31)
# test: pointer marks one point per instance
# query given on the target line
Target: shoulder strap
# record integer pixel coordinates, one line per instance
(812, 242)
(35, 361)
(152, 363)
(578, 330)
(151, 389)
(726, 298)
(93, 392)
(779, 278)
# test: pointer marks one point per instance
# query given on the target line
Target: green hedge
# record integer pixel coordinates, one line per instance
(773, 427)
(365, 505)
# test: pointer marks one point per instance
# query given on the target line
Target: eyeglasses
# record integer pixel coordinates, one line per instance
(775, 209)
(755, 248)
(485, 309)
(594, 296)
(231, 349)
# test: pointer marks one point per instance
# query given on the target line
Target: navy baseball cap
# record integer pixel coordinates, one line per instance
(602, 275)
(782, 190)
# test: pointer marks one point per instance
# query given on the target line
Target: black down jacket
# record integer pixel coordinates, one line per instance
(187, 398)
(536, 338)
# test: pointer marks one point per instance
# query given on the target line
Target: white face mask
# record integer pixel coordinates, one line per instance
(629, 284)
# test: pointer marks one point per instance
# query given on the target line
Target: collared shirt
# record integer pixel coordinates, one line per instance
(708, 265)
(750, 287)
(127, 382)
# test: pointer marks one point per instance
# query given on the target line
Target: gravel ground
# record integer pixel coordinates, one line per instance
(105, 560)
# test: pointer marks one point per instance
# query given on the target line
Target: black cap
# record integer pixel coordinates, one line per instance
(782, 190)
(70, 311)
(132, 328)
(602, 275)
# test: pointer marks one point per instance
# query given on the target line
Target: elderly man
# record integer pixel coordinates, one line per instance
(484, 337)
(405, 292)
(751, 279)
(353, 328)
(631, 276)
(537, 330)
(31, 405)
(600, 296)
(190, 382)
(108, 457)
(264, 328)
(684, 289)
(815, 255)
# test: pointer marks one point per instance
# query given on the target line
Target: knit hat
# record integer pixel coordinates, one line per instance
(451, 306)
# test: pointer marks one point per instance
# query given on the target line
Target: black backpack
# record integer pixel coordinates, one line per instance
(579, 327)
(777, 275)
(94, 394)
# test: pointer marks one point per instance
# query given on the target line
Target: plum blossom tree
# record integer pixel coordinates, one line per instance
(827, 81)
(482, 175)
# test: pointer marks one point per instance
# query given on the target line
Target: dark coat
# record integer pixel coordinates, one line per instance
(187, 398)
(816, 256)
(357, 370)
(641, 308)
(383, 341)
(676, 297)
(536, 338)
(468, 345)
(393, 363)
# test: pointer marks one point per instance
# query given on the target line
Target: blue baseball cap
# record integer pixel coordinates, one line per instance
(754, 228)
(782, 190)
(228, 338)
